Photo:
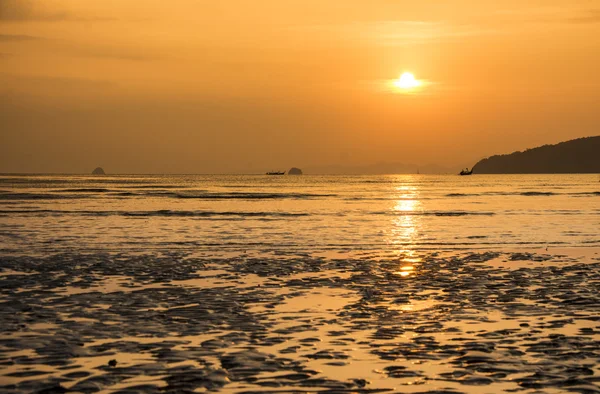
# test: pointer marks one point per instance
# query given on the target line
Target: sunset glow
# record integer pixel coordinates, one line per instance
(332, 86)
(299, 195)
(407, 81)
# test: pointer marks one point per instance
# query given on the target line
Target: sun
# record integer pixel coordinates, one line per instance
(407, 81)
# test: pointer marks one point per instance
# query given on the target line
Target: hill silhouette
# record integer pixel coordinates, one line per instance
(581, 155)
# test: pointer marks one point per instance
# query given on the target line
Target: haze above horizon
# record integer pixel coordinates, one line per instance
(188, 86)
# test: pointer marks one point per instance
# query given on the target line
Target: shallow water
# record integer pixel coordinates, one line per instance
(445, 322)
(424, 284)
(298, 213)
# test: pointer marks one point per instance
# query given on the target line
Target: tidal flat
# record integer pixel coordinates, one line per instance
(460, 322)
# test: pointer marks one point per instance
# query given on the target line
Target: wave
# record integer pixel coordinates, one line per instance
(364, 246)
(391, 198)
(201, 195)
(526, 194)
(169, 213)
(537, 194)
(491, 193)
(159, 213)
(462, 213)
(462, 194)
(35, 196)
(157, 186)
(432, 213)
(530, 194)
(30, 181)
(242, 196)
(84, 190)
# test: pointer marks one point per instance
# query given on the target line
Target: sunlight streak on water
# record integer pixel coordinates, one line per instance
(231, 214)
(404, 226)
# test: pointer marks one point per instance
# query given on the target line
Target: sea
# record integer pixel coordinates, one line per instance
(249, 284)
(229, 214)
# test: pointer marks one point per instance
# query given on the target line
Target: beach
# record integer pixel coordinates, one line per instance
(416, 284)
(292, 196)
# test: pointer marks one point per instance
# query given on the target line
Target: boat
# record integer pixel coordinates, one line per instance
(276, 173)
(466, 172)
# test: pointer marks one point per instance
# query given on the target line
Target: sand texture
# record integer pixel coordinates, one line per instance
(430, 323)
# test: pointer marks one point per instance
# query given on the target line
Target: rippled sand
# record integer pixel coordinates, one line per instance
(431, 323)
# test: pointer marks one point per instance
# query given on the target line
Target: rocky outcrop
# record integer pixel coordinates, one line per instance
(295, 171)
(569, 157)
(98, 171)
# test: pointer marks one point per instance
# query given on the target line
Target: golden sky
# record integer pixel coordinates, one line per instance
(199, 86)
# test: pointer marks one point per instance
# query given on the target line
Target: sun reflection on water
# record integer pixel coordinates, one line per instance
(405, 270)
(406, 222)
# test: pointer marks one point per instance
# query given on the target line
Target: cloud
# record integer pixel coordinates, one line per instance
(53, 90)
(29, 10)
(68, 48)
(109, 53)
(417, 32)
(402, 32)
(551, 15)
(16, 37)
(24, 10)
(591, 16)
(99, 51)
(55, 82)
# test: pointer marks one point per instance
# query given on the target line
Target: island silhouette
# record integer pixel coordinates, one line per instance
(580, 155)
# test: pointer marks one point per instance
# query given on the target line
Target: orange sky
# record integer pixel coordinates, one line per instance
(199, 86)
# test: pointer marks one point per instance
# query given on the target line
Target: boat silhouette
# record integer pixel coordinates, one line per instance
(466, 172)
(276, 173)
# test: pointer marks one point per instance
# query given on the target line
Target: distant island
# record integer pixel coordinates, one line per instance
(98, 171)
(581, 155)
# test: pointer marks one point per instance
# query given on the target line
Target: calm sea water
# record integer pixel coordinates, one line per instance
(306, 214)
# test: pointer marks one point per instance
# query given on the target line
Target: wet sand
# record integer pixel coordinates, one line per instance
(459, 322)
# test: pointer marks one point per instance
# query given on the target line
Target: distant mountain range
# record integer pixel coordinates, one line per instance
(581, 155)
(379, 169)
